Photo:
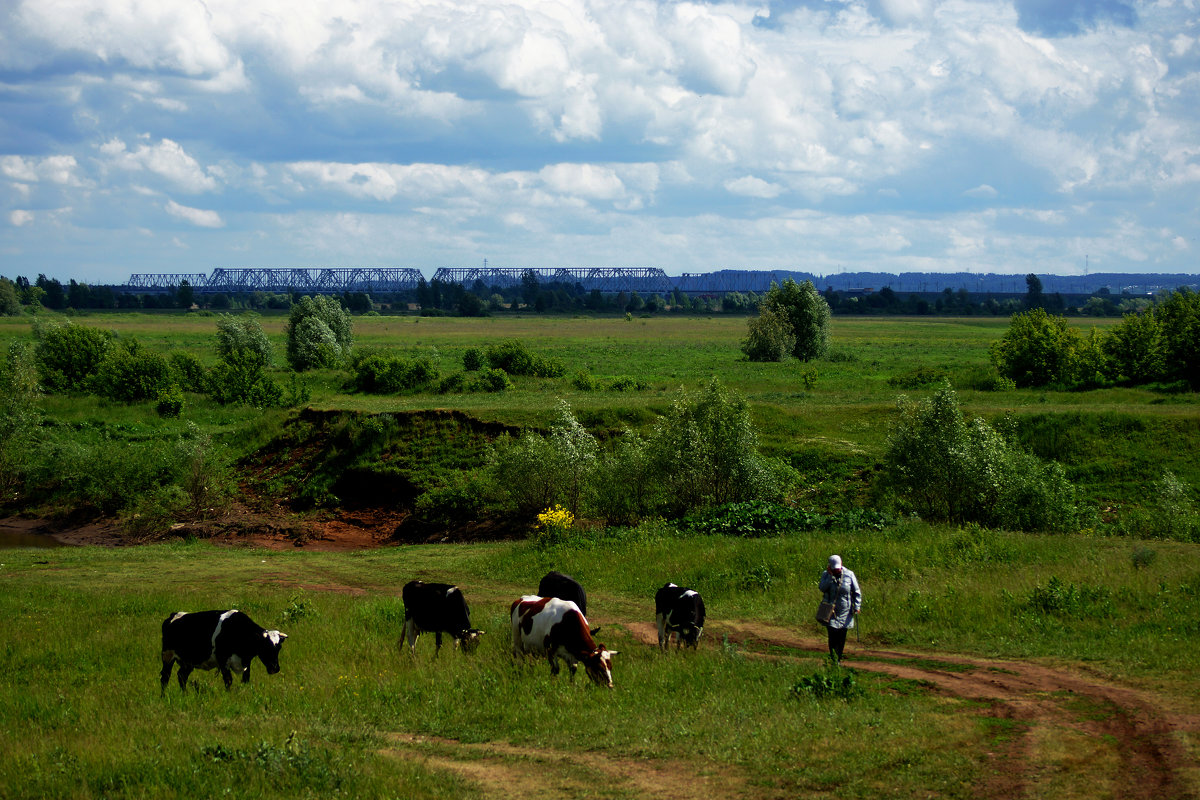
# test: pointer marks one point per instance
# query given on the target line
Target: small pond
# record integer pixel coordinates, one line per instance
(11, 537)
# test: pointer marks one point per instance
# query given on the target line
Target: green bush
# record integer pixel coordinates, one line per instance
(205, 474)
(170, 402)
(241, 380)
(946, 468)
(473, 359)
(68, 355)
(704, 451)
(19, 417)
(543, 471)
(1038, 349)
(769, 336)
(188, 373)
(319, 333)
(584, 382)
(1179, 320)
(1134, 349)
(131, 373)
(244, 336)
(512, 357)
(806, 313)
(490, 380)
(391, 374)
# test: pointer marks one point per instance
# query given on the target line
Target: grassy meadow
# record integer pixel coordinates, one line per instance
(350, 715)
(81, 713)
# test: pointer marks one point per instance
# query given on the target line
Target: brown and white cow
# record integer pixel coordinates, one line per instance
(557, 629)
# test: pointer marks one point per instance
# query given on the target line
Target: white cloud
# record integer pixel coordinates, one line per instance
(19, 217)
(982, 192)
(750, 186)
(166, 159)
(51, 169)
(196, 216)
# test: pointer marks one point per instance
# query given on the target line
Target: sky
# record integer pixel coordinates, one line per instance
(1005, 136)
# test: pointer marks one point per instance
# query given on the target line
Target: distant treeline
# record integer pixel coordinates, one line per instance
(439, 297)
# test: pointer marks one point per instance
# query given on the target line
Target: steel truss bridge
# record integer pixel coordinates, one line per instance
(647, 280)
(309, 280)
(336, 280)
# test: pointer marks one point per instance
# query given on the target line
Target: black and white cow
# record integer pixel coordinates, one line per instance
(564, 587)
(557, 629)
(437, 608)
(678, 611)
(226, 640)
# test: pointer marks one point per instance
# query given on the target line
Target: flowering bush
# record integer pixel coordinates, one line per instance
(554, 525)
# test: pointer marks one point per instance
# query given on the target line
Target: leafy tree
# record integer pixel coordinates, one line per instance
(19, 416)
(705, 452)
(244, 336)
(68, 355)
(1033, 292)
(806, 311)
(1134, 349)
(54, 296)
(947, 468)
(131, 373)
(1179, 320)
(185, 295)
(769, 337)
(318, 333)
(10, 298)
(1038, 349)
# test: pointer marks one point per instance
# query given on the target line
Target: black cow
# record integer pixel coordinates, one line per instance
(437, 608)
(226, 640)
(564, 587)
(678, 611)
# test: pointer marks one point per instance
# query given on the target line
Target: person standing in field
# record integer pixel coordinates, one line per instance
(840, 587)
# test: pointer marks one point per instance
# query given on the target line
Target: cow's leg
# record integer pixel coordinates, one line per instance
(437, 642)
(246, 674)
(553, 663)
(663, 636)
(182, 675)
(168, 665)
(227, 676)
(410, 635)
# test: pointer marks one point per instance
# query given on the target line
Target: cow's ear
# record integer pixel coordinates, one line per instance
(477, 632)
(595, 630)
(614, 652)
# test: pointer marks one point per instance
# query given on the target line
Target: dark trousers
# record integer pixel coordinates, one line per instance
(837, 641)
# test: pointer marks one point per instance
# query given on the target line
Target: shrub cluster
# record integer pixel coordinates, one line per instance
(318, 333)
(947, 468)
(513, 357)
(1161, 343)
(703, 452)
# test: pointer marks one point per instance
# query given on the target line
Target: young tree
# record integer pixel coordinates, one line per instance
(1179, 320)
(243, 336)
(19, 415)
(68, 355)
(10, 299)
(1038, 349)
(1134, 349)
(318, 333)
(769, 337)
(806, 311)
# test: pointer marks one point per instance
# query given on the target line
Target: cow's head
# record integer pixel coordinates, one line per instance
(690, 635)
(598, 664)
(268, 650)
(468, 640)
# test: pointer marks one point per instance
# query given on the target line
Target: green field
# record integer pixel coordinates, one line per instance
(989, 664)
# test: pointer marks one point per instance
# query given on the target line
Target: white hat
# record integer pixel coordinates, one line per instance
(835, 562)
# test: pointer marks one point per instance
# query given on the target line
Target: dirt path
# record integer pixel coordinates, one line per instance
(1136, 748)
(1070, 735)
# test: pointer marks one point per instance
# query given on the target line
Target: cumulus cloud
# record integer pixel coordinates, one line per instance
(197, 216)
(19, 217)
(750, 186)
(640, 122)
(166, 159)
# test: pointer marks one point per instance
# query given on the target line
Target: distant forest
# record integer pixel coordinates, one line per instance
(727, 291)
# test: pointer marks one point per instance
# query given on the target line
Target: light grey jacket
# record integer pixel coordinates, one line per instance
(845, 596)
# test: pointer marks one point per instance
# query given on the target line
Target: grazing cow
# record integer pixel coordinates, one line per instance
(678, 611)
(557, 629)
(227, 640)
(564, 587)
(437, 608)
